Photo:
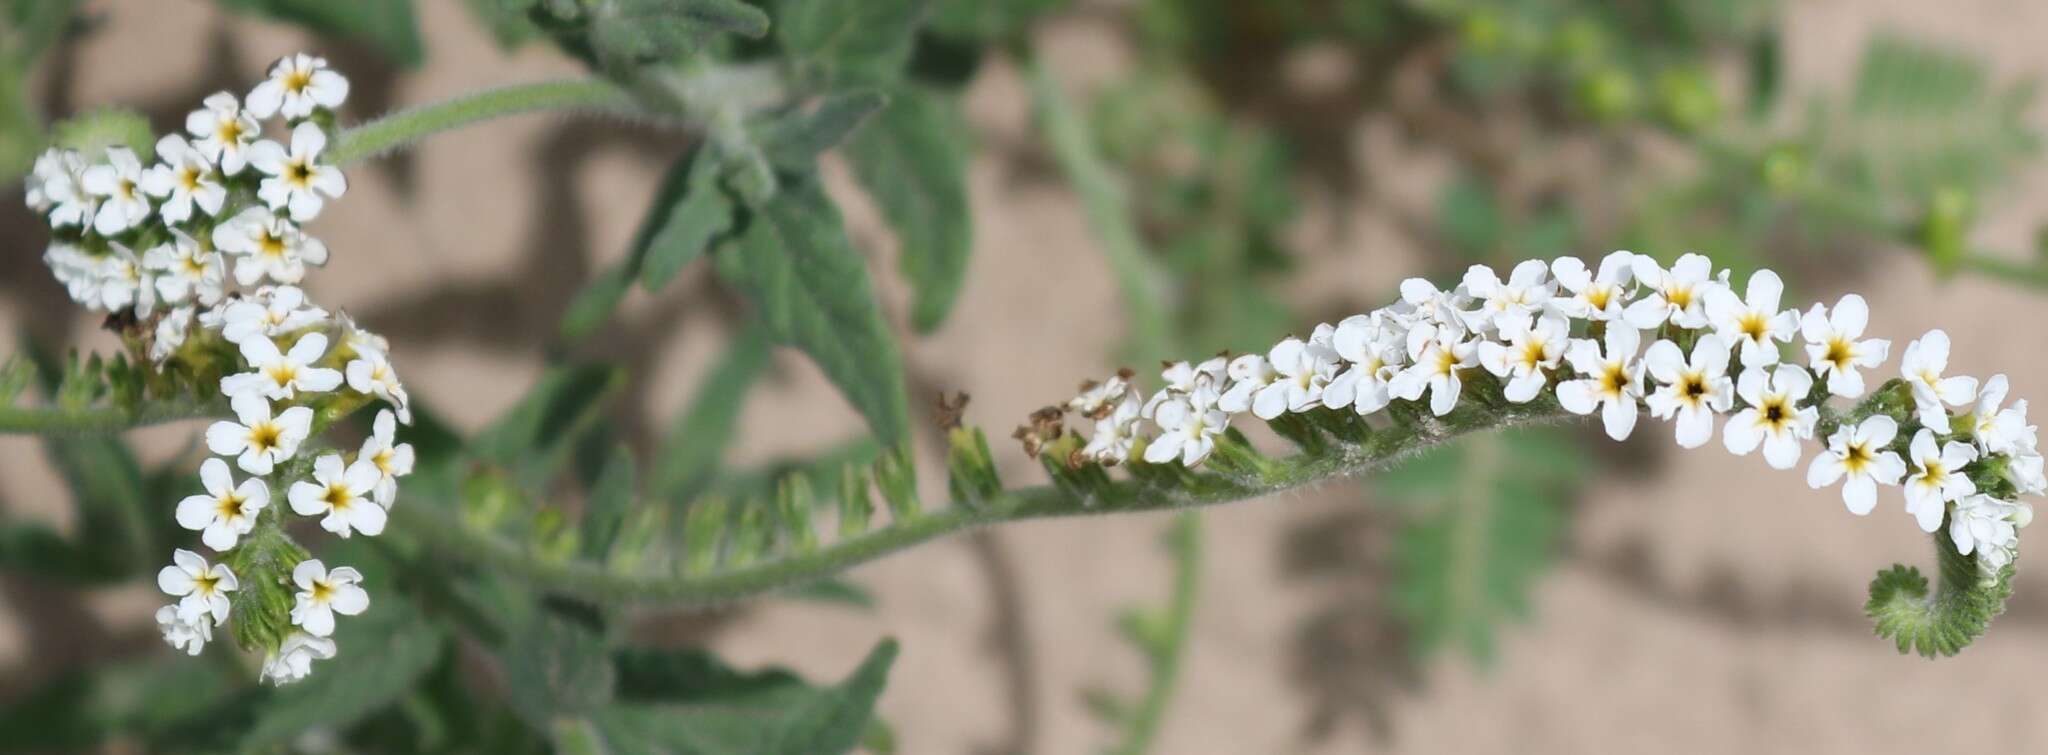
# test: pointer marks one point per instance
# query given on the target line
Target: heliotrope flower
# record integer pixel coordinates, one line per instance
(1528, 351)
(266, 245)
(394, 459)
(1677, 295)
(1374, 353)
(184, 181)
(283, 375)
(1937, 478)
(1754, 320)
(118, 184)
(226, 511)
(1188, 426)
(1301, 370)
(258, 440)
(1525, 293)
(297, 85)
(1599, 298)
(1987, 527)
(1835, 346)
(341, 496)
(1922, 366)
(323, 593)
(186, 633)
(1856, 454)
(1772, 414)
(1613, 382)
(186, 271)
(202, 589)
(223, 132)
(297, 179)
(293, 659)
(1693, 390)
(271, 312)
(1434, 368)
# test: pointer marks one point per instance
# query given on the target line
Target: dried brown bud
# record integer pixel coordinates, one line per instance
(950, 413)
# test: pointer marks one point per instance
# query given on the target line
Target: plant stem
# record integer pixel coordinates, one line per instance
(440, 527)
(1185, 542)
(101, 420)
(411, 125)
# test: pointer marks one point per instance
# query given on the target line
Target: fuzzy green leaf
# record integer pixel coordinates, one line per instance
(690, 454)
(382, 654)
(537, 435)
(850, 40)
(986, 20)
(613, 497)
(1489, 510)
(644, 31)
(1922, 118)
(390, 25)
(811, 289)
(691, 703)
(555, 665)
(91, 708)
(690, 209)
(913, 160)
(1945, 620)
(793, 140)
(594, 304)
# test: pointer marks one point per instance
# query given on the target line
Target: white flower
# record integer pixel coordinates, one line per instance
(323, 593)
(1858, 453)
(186, 271)
(170, 333)
(282, 375)
(1940, 478)
(79, 272)
(1182, 379)
(1832, 347)
(1374, 349)
(1301, 370)
(184, 179)
(297, 178)
(1601, 297)
(294, 658)
(64, 191)
(2025, 471)
(1772, 415)
(1922, 366)
(1677, 295)
(1424, 303)
(226, 512)
(1530, 351)
(1997, 430)
(342, 494)
(1249, 375)
(1188, 428)
(1116, 433)
(125, 282)
(48, 167)
(224, 132)
(372, 375)
(259, 440)
(363, 343)
(394, 459)
(1435, 368)
(1985, 526)
(1614, 382)
(202, 590)
(1096, 399)
(1525, 293)
(118, 184)
(271, 312)
(1693, 391)
(298, 84)
(189, 634)
(1753, 321)
(267, 245)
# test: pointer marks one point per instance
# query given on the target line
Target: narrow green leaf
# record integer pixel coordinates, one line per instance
(981, 20)
(617, 487)
(390, 25)
(850, 40)
(688, 702)
(793, 140)
(646, 31)
(383, 653)
(689, 211)
(913, 160)
(538, 434)
(595, 303)
(690, 454)
(810, 286)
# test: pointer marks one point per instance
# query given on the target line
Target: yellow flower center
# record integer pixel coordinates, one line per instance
(1776, 413)
(1598, 294)
(230, 506)
(1613, 380)
(297, 81)
(1679, 295)
(205, 584)
(1838, 353)
(264, 437)
(1856, 458)
(1754, 327)
(339, 497)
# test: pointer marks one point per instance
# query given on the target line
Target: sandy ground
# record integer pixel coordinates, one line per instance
(1701, 607)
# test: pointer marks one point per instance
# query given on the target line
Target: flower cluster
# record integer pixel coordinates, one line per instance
(1574, 338)
(156, 243)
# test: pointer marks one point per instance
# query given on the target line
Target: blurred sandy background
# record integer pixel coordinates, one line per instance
(1704, 604)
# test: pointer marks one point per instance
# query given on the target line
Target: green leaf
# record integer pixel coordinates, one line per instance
(689, 456)
(850, 40)
(913, 161)
(388, 24)
(90, 708)
(539, 433)
(506, 19)
(793, 140)
(1488, 512)
(382, 654)
(645, 31)
(1922, 119)
(594, 304)
(555, 665)
(810, 286)
(689, 702)
(689, 211)
(988, 19)
(605, 512)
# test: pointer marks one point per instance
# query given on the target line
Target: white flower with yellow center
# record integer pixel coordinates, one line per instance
(372, 375)
(1693, 390)
(49, 166)
(1188, 426)
(1857, 455)
(189, 634)
(1185, 379)
(1938, 478)
(201, 590)
(1598, 297)
(124, 282)
(1422, 302)
(266, 245)
(1835, 346)
(1613, 382)
(1996, 430)
(171, 332)
(184, 180)
(271, 312)
(394, 459)
(293, 659)
(1095, 400)
(1922, 367)
(1526, 292)
(1677, 295)
(283, 375)
(1374, 350)
(1249, 375)
(227, 511)
(297, 85)
(186, 271)
(222, 132)
(1435, 367)
(1754, 321)
(1986, 527)
(323, 593)
(258, 440)
(342, 494)
(64, 192)
(1116, 433)
(1301, 371)
(297, 179)
(1772, 415)
(118, 184)
(1533, 349)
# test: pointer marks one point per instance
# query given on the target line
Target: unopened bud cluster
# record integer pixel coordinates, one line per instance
(1563, 333)
(152, 245)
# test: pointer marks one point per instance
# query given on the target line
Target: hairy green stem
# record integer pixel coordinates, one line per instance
(411, 125)
(102, 420)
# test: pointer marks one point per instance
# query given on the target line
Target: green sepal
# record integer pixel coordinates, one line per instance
(261, 605)
(971, 470)
(856, 507)
(897, 477)
(795, 502)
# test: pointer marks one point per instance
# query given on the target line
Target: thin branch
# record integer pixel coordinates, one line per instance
(102, 420)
